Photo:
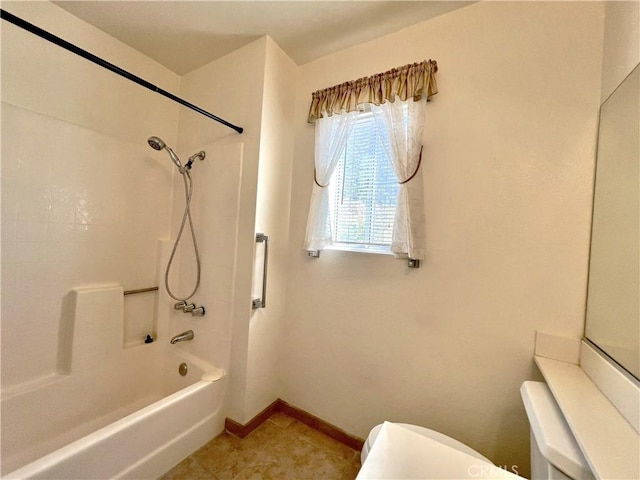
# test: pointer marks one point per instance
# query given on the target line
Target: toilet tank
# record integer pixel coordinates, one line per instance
(555, 455)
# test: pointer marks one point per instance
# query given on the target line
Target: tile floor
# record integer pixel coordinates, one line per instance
(281, 449)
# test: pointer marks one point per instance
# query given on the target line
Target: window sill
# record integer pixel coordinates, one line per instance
(363, 249)
(412, 263)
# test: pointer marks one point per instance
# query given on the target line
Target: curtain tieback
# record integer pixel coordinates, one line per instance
(315, 179)
(415, 172)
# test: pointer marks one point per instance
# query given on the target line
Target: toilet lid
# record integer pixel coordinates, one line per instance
(432, 434)
(402, 453)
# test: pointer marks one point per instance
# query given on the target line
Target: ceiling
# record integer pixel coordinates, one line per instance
(184, 35)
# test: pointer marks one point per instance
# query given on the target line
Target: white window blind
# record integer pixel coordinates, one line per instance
(363, 192)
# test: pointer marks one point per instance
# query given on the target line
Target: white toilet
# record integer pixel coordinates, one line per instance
(425, 432)
(555, 455)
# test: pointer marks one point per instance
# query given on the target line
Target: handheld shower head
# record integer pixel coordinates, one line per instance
(158, 144)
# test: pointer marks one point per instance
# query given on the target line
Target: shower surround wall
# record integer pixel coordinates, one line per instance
(214, 211)
(84, 199)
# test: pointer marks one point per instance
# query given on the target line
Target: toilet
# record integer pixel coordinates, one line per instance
(555, 455)
(425, 432)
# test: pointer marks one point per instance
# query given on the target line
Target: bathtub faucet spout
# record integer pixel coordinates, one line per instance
(183, 337)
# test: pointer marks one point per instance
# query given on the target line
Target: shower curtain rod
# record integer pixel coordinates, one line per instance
(19, 22)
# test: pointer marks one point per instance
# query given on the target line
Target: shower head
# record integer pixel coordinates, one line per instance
(158, 144)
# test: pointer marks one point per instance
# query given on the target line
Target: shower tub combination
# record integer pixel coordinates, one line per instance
(113, 410)
(110, 410)
(119, 412)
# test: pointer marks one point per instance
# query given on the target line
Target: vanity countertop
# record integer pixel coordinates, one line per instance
(609, 443)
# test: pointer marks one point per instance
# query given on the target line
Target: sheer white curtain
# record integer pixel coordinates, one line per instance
(331, 138)
(403, 123)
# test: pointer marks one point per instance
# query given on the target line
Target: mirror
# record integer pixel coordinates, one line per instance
(613, 300)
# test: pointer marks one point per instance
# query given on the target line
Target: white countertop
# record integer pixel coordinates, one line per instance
(609, 443)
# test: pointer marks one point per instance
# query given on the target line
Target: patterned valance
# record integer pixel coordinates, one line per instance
(411, 81)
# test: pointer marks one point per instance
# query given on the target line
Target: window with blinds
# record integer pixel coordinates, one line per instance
(363, 192)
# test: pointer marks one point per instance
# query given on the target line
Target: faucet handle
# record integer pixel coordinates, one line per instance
(198, 312)
(180, 305)
(189, 307)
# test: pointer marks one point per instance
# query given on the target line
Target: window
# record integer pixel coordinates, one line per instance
(353, 207)
(363, 192)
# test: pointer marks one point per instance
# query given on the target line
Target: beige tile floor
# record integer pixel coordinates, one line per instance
(281, 448)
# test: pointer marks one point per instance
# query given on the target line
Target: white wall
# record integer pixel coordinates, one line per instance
(509, 144)
(84, 199)
(272, 218)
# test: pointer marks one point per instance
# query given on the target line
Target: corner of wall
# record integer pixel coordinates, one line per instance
(621, 44)
(272, 218)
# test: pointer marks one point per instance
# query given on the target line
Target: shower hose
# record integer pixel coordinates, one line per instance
(188, 191)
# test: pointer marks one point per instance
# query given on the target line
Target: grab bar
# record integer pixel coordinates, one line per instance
(140, 290)
(262, 302)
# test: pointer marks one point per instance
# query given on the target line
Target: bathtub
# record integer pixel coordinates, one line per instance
(181, 414)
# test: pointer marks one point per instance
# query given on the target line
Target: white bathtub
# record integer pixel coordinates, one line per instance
(143, 444)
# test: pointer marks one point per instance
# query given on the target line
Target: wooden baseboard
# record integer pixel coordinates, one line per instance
(241, 431)
(325, 427)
